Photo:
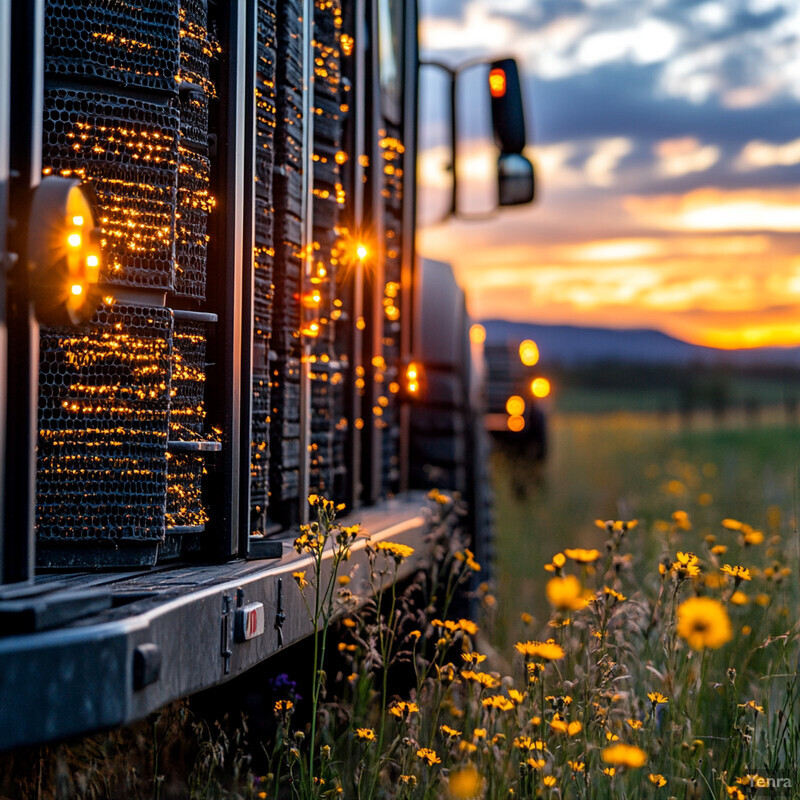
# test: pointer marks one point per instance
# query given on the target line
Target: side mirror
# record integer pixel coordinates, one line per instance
(516, 183)
(508, 112)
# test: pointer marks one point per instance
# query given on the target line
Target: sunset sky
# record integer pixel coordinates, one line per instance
(666, 136)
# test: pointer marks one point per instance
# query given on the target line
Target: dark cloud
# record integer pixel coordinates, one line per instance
(619, 100)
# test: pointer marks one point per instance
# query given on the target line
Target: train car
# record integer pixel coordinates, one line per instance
(212, 308)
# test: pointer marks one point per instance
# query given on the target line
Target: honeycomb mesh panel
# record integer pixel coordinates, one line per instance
(327, 463)
(130, 43)
(104, 401)
(185, 508)
(285, 350)
(197, 50)
(127, 150)
(392, 153)
(263, 265)
(191, 225)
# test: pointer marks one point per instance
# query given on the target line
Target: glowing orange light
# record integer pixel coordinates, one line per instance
(76, 289)
(74, 239)
(312, 299)
(540, 387)
(477, 334)
(497, 82)
(311, 330)
(529, 353)
(77, 221)
(340, 157)
(411, 372)
(515, 405)
(515, 423)
(92, 261)
(362, 252)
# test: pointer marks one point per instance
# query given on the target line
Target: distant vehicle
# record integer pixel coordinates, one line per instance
(516, 398)
(214, 308)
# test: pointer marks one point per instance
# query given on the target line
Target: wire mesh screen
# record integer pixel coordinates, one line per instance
(104, 405)
(131, 44)
(326, 460)
(386, 372)
(263, 263)
(127, 149)
(284, 357)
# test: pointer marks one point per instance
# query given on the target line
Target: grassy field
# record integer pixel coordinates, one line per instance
(633, 465)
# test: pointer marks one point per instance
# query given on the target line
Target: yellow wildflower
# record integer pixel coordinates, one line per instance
(581, 555)
(615, 594)
(732, 524)
(464, 783)
(399, 552)
(610, 771)
(739, 598)
(719, 549)
(752, 536)
(300, 579)
(535, 763)
(549, 781)
(473, 658)
(482, 678)
(479, 733)
(467, 747)
(365, 734)
(497, 701)
(577, 766)
(565, 593)
(428, 756)
(409, 780)
(516, 695)
(562, 726)
(704, 623)
(624, 755)
(636, 724)
(526, 618)
(401, 709)
(686, 566)
(451, 733)
(656, 697)
(739, 573)
(752, 705)
(657, 780)
(543, 651)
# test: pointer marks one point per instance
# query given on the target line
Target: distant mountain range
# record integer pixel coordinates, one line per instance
(572, 346)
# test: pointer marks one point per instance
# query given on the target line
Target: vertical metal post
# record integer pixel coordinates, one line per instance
(248, 123)
(228, 251)
(409, 218)
(354, 405)
(5, 101)
(308, 241)
(27, 79)
(371, 467)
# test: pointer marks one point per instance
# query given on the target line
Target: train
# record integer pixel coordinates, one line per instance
(212, 308)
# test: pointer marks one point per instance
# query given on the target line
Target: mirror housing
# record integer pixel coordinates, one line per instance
(516, 183)
(508, 112)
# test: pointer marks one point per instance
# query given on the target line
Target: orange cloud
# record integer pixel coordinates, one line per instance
(714, 209)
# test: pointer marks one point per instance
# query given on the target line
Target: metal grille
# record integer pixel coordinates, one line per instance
(285, 353)
(103, 426)
(263, 262)
(386, 373)
(127, 150)
(191, 238)
(131, 44)
(186, 513)
(326, 374)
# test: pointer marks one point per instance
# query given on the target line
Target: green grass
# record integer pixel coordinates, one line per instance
(624, 466)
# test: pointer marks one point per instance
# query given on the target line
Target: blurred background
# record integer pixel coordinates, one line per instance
(657, 276)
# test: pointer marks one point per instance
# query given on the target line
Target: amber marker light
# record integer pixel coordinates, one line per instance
(529, 353)
(413, 377)
(64, 248)
(477, 334)
(540, 387)
(515, 406)
(497, 82)
(515, 423)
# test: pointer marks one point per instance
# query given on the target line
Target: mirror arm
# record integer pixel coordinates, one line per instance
(454, 73)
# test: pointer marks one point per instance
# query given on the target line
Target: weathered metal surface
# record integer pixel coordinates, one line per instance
(93, 674)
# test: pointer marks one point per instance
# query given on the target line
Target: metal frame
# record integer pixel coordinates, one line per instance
(232, 248)
(409, 239)
(171, 635)
(27, 80)
(308, 239)
(5, 262)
